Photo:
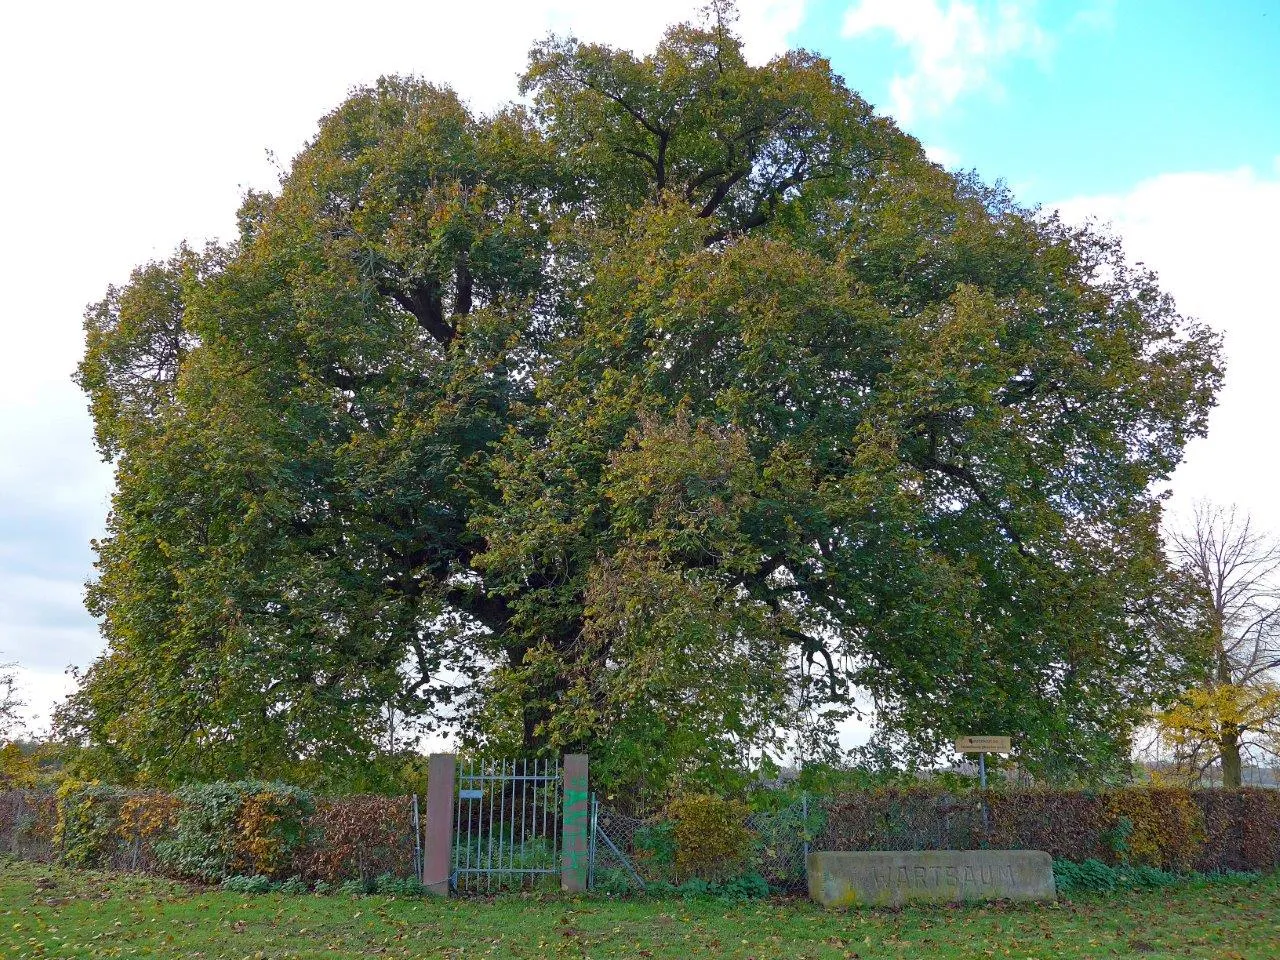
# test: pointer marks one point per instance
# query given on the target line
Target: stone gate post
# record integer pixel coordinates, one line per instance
(577, 824)
(437, 861)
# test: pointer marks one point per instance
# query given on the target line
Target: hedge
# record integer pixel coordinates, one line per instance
(359, 838)
(273, 830)
(246, 827)
(1165, 828)
(213, 831)
(97, 825)
(27, 822)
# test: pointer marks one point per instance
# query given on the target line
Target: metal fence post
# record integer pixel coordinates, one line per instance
(591, 844)
(418, 865)
(986, 815)
(804, 826)
(438, 858)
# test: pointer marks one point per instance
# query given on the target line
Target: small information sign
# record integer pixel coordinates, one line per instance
(984, 745)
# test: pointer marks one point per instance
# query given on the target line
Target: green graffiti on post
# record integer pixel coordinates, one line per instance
(577, 814)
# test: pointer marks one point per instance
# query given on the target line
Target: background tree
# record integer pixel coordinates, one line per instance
(1235, 713)
(11, 702)
(689, 399)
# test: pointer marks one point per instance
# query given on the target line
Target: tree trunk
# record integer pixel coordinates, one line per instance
(1229, 750)
(543, 698)
(1229, 741)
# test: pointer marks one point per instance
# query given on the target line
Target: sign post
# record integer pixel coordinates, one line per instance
(982, 746)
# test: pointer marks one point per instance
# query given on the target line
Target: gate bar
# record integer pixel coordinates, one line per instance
(488, 856)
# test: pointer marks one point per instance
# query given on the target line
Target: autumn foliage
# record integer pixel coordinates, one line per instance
(666, 415)
(1170, 828)
(359, 838)
(712, 839)
(212, 831)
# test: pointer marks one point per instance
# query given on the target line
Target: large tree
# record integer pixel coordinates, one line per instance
(685, 404)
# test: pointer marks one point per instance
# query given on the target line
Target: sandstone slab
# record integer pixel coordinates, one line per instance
(895, 877)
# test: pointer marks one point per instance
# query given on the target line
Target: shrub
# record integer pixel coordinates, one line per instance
(215, 831)
(145, 819)
(712, 839)
(694, 888)
(895, 818)
(1155, 827)
(654, 846)
(1097, 877)
(358, 837)
(391, 886)
(85, 832)
(614, 882)
(1167, 828)
(748, 886)
(745, 886)
(781, 835)
(18, 767)
(203, 844)
(28, 822)
(1242, 829)
(247, 827)
(294, 886)
(98, 825)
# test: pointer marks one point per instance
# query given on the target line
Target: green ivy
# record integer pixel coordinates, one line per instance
(241, 884)
(1117, 838)
(1094, 876)
(746, 886)
(85, 834)
(656, 843)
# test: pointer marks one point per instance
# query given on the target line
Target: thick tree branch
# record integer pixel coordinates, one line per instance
(493, 612)
(424, 303)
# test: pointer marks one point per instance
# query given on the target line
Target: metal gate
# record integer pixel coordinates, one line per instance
(506, 825)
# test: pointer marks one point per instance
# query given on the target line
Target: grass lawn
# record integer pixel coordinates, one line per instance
(48, 912)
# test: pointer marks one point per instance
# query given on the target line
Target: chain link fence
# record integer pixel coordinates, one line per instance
(27, 818)
(630, 853)
(784, 837)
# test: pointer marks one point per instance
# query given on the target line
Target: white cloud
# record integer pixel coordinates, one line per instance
(942, 156)
(955, 47)
(40, 690)
(1098, 15)
(765, 26)
(1211, 237)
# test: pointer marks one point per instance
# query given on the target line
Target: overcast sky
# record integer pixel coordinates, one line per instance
(132, 126)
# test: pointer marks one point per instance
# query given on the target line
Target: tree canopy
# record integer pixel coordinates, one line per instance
(676, 411)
